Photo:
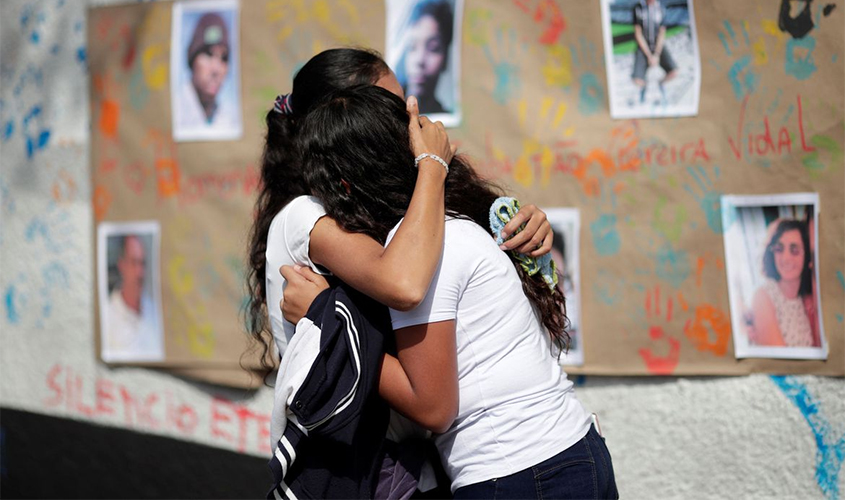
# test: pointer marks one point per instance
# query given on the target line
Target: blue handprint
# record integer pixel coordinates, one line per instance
(801, 67)
(591, 91)
(504, 66)
(709, 200)
(605, 235)
(744, 80)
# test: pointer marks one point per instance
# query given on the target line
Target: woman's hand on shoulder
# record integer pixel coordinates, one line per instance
(302, 287)
(537, 236)
(427, 136)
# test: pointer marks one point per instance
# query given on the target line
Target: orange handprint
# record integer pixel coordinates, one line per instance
(656, 364)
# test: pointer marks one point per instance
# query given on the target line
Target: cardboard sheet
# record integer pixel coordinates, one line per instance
(535, 117)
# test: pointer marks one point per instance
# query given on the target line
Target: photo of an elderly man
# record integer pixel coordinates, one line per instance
(130, 313)
(204, 88)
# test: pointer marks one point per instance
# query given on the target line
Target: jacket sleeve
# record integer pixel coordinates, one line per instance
(344, 374)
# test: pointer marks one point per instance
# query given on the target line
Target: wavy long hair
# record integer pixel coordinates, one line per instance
(281, 169)
(770, 270)
(360, 136)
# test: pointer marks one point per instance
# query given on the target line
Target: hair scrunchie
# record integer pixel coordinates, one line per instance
(284, 104)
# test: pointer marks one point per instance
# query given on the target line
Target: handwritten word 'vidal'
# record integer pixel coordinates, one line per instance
(762, 144)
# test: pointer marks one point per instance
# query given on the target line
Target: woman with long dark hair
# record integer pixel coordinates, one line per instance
(477, 359)
(302, 235)
(783, 311)
(291, 227)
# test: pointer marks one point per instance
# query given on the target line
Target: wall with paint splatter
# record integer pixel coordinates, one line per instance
(648, 192)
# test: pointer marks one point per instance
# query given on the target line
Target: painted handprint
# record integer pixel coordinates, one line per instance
(710, 330)
(547, 14)
(508, 50)
(590, 89)
(537, 156)
(707, 197)
(659, 315)
(744, 79)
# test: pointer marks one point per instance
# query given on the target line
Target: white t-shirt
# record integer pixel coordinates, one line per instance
(287, 244)
(190, 120)
(517, 407)
(130, 335)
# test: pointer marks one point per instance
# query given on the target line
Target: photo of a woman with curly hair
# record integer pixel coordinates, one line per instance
(772, 269)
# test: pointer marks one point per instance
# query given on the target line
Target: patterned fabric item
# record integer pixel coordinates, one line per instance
(792, 318)
(501, 212)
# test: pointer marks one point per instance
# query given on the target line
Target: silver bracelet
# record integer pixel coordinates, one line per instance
(433, 157)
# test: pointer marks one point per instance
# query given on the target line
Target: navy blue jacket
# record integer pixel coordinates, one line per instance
(334, 449)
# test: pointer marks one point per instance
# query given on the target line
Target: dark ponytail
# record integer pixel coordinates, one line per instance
(361, 136)
(281, 168)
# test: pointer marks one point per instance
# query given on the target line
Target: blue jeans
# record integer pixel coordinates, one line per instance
(584, 470)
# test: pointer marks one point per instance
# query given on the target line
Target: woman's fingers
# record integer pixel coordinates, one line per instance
(290, 274)
(432, 138)
(312, 277)
(415, 126)
(546, 247)
(517, 220)
(533, 236)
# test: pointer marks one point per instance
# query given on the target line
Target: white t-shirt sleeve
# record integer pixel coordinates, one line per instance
(447, 286)
(303, 215)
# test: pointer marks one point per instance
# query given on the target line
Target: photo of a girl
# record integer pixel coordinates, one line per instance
(770, 249)
(423, 51)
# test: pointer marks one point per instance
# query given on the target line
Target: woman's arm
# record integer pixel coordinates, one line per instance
(397, 275)
(422, 382)
(766, 328)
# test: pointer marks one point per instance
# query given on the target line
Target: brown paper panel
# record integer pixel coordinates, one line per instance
(519, 64)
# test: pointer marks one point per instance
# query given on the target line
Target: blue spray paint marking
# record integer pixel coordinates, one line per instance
(31, 75)
(709, 200)
(672, 266)
(8, 130)
(81, 55)
(39, 140)
(57, 225)
(605, 236)
(12, 315)
(841, 278)
(56, 277)
(800, 67)
(591, 94)
(830, 451)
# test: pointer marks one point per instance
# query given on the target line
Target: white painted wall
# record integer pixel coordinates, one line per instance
(749, 437)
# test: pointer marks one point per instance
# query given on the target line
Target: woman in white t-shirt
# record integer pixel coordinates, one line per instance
(290, 227)
(477, 359)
